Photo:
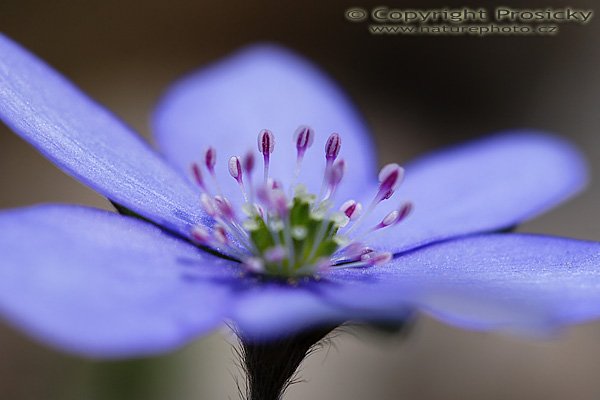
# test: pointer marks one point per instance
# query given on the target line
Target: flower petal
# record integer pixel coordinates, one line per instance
(263, 87)
(89, 143)
(99, 284)
(270, 311)
(516, 282)
(487, 185)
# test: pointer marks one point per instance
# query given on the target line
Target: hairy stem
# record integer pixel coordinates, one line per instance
(271, 365)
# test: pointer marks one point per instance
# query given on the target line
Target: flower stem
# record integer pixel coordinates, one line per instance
(271, 365)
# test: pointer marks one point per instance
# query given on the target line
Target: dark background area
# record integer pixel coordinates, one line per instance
(418, 93)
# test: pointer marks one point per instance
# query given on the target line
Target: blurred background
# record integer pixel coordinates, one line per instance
(417, 93)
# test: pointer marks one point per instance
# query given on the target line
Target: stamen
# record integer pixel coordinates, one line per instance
(266, 144)
(235, 170)
(390, 178)
(351, 253)
(279, 202)
(200, 235)
(303, 138)
(210, 159)
(254, 265)
(391, 219)
(351, 209)
(355, 249)
(368, 260)
(332, 147)
(197, 172)
(373, 258)
(275, 254)
(405, 210)
(208, 205)
(394, 217)
(336, 173)
(222, 211)
(264, 195)
(221, 234)
(248, 164)
(224, 207)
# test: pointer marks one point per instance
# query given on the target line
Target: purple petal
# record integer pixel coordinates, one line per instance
(264, 87)
(484, 186)
(516, 282)
(89, 143)
(102, 285)
(271, 310)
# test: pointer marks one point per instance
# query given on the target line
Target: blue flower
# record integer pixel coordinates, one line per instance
(102, 284)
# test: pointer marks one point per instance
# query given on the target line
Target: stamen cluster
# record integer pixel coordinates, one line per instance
(288, 232)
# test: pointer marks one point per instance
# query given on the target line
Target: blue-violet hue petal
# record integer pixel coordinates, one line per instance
(514, 282)
(483, 186)
(86, 141)
(271, 310)
(102, 285)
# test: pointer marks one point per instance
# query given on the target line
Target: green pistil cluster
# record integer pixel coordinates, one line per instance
(298, 241)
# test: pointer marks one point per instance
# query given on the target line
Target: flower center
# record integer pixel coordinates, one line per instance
(292, 233)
